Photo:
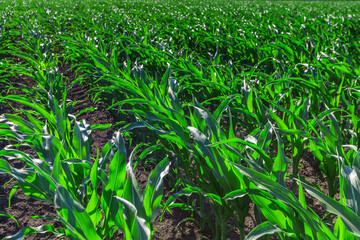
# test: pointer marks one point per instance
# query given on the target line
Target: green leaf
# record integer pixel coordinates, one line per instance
(350, 219)
(342, 232)
(92, 206)
(117, 167)
(32, 230)
(215, 165)
(280, 162)
(263, 229)
(5, 214)
(222, 108)
(132, 191)
(139, 228)
(350, 187)
(115, 185)
(154, 189)
(317, 227)
(100, 126)
(81, 141)
(23, 100)
(253, 146)
(12, 192)
(302, 199)
(33, 184)
(74, 215)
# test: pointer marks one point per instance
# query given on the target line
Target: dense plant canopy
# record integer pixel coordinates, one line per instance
(233, 94)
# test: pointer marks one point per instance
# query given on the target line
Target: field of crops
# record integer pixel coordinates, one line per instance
(119, 116)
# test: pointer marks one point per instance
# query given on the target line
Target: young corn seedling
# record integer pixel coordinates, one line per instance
(65, 175)
(267, 82)
(327, 146)
(286, 215)
(346, 210)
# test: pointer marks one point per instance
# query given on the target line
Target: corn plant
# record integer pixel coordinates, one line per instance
(65, 175)
(235, 93)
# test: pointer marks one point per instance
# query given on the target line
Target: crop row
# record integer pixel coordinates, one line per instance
(234, 94)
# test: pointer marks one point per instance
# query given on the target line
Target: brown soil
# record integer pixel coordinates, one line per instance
(171, 227)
